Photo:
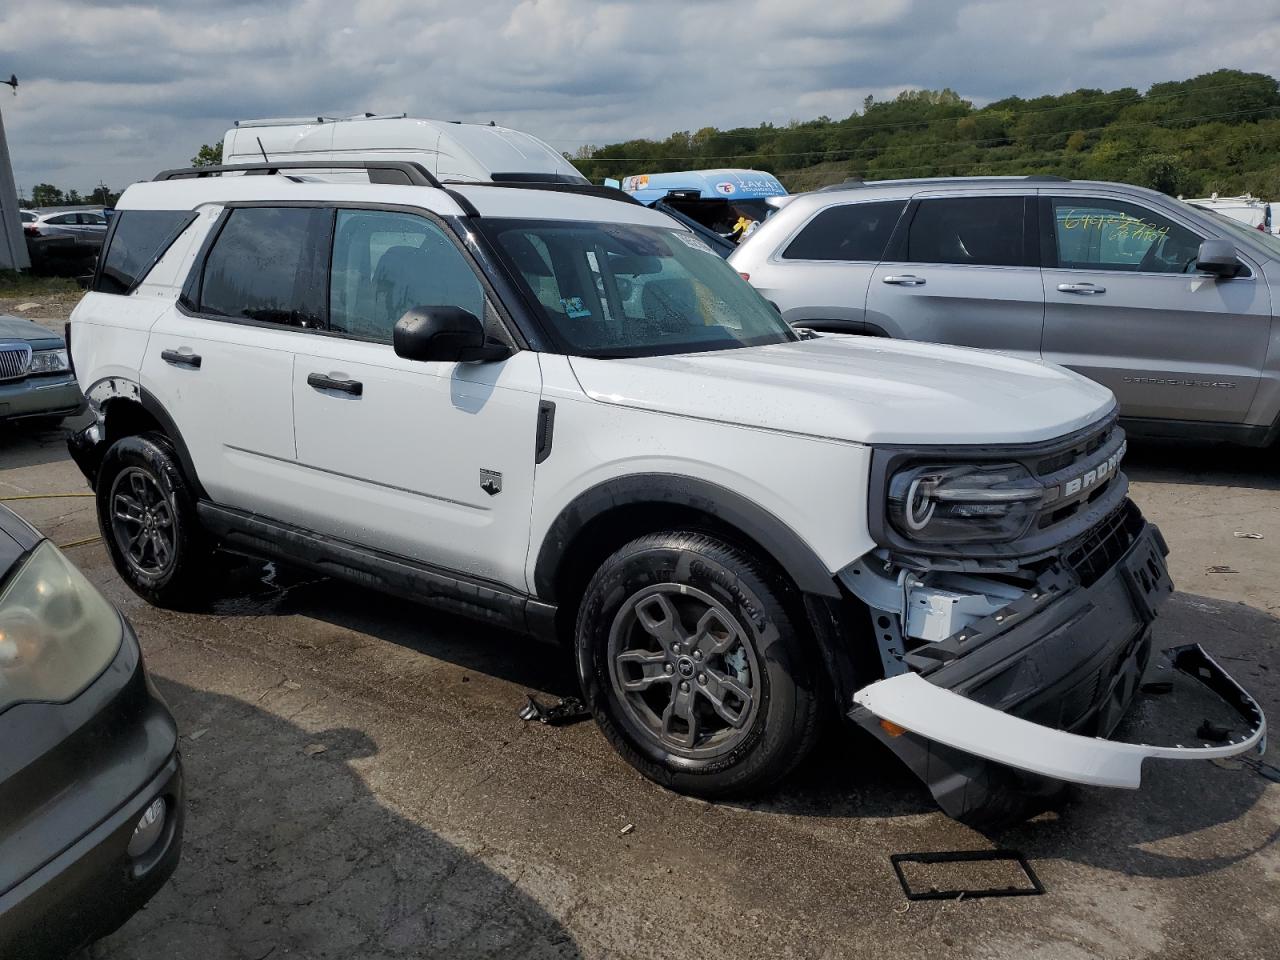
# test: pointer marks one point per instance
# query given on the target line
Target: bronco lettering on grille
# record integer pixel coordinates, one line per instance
(1091, 478)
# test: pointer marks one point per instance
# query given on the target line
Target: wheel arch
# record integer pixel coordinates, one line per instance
(604, 517)
(126, 409)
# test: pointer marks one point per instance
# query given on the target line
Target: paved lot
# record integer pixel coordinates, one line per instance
(360, 786)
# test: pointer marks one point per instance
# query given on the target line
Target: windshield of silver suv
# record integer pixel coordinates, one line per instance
(625, 290)
(1264, 239)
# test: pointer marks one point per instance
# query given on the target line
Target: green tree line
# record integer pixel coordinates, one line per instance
(1218, 132)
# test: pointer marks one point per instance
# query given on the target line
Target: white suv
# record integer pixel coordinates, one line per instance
(547, 407)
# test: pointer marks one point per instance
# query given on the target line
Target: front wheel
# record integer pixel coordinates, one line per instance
(693, 666)
(147, 516)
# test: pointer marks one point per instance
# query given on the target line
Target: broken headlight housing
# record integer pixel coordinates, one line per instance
(964, 503)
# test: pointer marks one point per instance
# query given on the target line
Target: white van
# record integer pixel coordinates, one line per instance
(448, 149)
(1248, 209)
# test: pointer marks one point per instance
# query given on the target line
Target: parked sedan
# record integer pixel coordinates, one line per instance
(61, 236)
(91, 792)
(35, 374)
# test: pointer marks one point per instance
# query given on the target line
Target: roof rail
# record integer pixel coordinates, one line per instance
(402, 172)
(588, 189)
(846, 184)
(1046, 178)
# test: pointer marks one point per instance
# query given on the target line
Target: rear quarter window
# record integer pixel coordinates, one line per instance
(139, 239)
(850, 232)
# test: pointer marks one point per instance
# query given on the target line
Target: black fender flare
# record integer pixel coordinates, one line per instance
(120, 389)
(782, 543)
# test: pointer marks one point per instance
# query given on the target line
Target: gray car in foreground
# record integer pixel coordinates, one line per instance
(1168, 305)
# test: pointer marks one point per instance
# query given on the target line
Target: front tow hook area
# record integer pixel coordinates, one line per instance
(932, 715)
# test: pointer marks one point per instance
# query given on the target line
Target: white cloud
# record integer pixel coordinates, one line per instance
(119, 90)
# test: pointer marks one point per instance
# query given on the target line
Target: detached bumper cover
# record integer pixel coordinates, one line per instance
(929, 711)
(1022, 702)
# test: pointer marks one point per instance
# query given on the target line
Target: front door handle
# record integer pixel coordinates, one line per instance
(323, 382)
(1084, 289)
(905, 280)
(180, 359)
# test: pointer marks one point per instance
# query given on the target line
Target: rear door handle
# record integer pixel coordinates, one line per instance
(1084, 289)
(323, 382)
(905, 280)
(180, 359)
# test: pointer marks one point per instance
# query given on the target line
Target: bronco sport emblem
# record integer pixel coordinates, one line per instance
(490, 482)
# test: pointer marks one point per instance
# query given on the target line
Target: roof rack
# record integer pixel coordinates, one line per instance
(295, 121)
(402, 172)
(587, 189)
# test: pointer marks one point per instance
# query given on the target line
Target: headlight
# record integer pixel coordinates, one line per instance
(57, 633)
(49, 361)
(963, 503)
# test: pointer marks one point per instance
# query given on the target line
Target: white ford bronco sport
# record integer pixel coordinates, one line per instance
(549, 408)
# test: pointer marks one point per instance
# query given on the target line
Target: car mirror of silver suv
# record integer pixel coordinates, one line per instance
(1218, 257)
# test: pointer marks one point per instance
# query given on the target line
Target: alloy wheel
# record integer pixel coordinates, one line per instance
(684, 670)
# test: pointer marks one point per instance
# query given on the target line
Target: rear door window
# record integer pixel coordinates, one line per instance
(386, 263)
(269, 264)
(140, 239)
(1093, 233)
(969, 231)
(851, 232)
(63, 220)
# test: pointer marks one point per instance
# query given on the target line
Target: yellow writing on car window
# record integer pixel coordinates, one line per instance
(1121, 226)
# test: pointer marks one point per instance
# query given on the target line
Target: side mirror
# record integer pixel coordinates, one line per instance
(444, 334)
(84, 281)
(1218, 257)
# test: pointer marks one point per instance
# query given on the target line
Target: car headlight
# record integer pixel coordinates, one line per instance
(49, 361)
(57, 632)
(964, 503)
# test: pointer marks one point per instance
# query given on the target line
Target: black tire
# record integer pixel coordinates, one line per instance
(129, 466)
(706, 581)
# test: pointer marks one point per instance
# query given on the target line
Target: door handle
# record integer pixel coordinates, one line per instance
(323, 382)
(180, 359)
(1084, 289)
(905, 280)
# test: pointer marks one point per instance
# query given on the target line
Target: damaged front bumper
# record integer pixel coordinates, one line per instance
(1021, 701)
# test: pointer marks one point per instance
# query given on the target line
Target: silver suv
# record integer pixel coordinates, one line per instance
(1168, 305)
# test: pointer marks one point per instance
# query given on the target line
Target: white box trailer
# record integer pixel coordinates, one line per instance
(448, 149)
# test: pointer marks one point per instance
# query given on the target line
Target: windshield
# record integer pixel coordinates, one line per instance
(1264, 239)
(625, 290)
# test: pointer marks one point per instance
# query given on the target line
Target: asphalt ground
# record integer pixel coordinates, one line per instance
(360, 784)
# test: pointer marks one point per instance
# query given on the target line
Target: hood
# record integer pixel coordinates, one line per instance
(858, 389)
(15, 328)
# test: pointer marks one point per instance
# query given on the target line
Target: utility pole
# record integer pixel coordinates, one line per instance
(13, 246)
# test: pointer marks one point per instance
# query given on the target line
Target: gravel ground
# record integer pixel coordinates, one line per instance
(360, 785)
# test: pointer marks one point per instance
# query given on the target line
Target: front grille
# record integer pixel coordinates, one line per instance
(15, 359)
(1080, 475)
(1077, 451)
(1102, 547)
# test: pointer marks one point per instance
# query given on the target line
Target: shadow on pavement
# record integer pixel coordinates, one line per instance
(288, 853)
(851, 776)
(252, 588)
(1203, 464)
(32, 442)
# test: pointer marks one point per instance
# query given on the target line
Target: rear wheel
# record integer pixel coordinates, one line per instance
(147, 516)
(693, 666)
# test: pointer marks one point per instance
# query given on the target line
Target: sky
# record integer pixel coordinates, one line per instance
(114, 91)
